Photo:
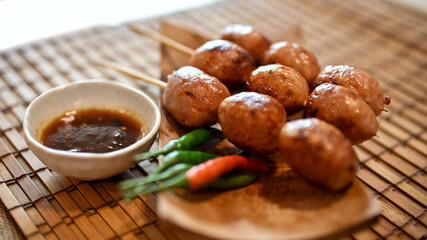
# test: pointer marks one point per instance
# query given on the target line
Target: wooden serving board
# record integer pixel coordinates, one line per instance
(279, 205)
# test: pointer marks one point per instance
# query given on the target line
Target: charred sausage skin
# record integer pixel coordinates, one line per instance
(344, 109)
(226, 61)
(248, 38)
(295, 56)
(361, 82)
(319, 153)
(192, 97)
(283, 83)
(252, 121)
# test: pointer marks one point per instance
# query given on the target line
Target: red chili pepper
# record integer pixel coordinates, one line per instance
(209, 171)
(202, 175)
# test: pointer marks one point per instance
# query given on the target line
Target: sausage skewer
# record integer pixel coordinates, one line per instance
(233, 33)
(191, 96)
(243, 35)
(228, 62)
(250, 40)
(179, 98)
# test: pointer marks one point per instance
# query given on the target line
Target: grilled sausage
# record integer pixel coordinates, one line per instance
(248, 38)
(225, 60)
(343, 108)
(252, 121)
(319, 153)
(295, 56)
(366, 86)
(283, 83)
(192, 97)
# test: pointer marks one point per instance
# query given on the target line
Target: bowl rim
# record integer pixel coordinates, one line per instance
(88, 155)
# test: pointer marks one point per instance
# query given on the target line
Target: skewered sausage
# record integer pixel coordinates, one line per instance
(283, 83)
(319, 153)
(225, 60)
(252, 121)
(247, 37)
(192, 97)
(343, 108)
(295, 56)
(361, 82)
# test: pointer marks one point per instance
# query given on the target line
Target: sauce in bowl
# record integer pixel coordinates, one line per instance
(92, 130)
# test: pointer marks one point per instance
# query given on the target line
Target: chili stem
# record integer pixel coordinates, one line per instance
(169, 173)
(178, 181)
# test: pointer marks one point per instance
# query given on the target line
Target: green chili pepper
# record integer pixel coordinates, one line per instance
(172, 164)
(188, 141)
(168, 173)
(203, 175)
(183, 156)
(230, 181)
(178, 181)
(188, 156)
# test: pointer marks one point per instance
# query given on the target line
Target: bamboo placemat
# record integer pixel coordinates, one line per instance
(383, 38)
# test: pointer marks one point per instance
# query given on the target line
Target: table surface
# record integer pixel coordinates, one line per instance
(352, 32)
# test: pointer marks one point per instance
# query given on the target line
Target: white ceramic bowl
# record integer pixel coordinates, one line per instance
(88, 94)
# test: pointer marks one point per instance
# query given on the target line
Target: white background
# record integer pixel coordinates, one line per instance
(22, 21)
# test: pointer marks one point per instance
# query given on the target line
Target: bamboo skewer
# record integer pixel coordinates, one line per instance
(156, 36)
(140, 29)
(159, 37)
(193, 30)
(133, 73)
(295, 33)
(142, 76)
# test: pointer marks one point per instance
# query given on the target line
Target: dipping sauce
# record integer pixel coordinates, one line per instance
(92, 130)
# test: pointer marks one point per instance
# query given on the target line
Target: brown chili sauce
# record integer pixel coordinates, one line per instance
(92, 130)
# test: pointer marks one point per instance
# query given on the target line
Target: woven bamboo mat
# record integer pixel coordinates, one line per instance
(380, 37)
